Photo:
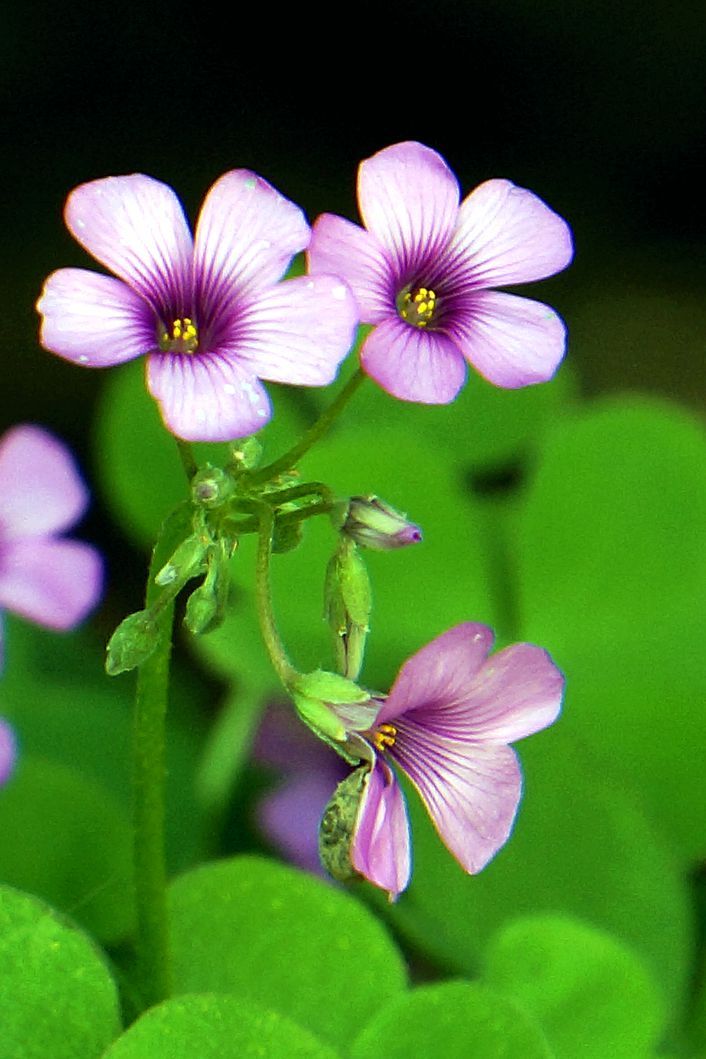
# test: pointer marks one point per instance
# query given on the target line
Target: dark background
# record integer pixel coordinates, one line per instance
(599, 108)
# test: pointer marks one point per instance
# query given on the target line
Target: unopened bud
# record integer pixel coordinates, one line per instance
(211, 486)
(132, 643)
(186, 562)
(337, 826)
(347, 604)
(206, 606)
(372, 523)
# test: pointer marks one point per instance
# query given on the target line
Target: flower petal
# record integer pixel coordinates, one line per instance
(506, 234)
(471, 792)
(42, 491)
(94, 320)
(408, 199)
(135, 226)
(298, 331)
(246, 235)
(51, 582)
(511, 341)
(412, 364)
(343, 249)
(8, 751)
(207, 397)
(380, 850)
(441, 672)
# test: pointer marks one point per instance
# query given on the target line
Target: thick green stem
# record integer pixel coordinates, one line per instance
(313, 434)
(148, 779)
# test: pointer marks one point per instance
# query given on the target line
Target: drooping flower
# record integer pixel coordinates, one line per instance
(423, 271)
(8, 751)
(447, 723)
(209, 313)
(44, 577)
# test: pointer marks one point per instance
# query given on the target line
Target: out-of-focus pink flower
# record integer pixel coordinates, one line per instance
(8, 751)
(44, 576)
(423, 271)
(447, 722)
(209, 312)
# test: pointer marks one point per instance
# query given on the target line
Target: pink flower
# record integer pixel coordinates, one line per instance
(208, 312)
(423, 267)
(8, 751)
(447, 723)
(44, 577)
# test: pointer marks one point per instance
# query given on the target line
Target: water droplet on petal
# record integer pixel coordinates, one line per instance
(83, 359)
(229, 388)
(339, 293)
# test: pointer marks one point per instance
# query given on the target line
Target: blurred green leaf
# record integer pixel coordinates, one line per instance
(216, 1027)
(456, 1020)
(611, 555)
(63, 707)
(57, 997)
(65, 838)
(588, 991)
(254, 928)
(484, 427)
(581, 845)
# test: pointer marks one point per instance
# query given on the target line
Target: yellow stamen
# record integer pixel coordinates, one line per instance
(385, 736)
(183, 337)
(418, 306)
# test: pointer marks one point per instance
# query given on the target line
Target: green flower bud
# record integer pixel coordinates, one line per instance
(206, 606)
(372, 523)
(338, 825)
(211, 486)
(132, 643)
(186, 562)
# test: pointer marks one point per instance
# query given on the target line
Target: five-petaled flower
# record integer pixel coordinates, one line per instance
(423, 267)
(44, 576)
(447, 722)
(209, 312)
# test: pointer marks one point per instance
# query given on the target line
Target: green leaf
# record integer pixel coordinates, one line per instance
(216, 1027)
(456, 1020)
(589, 992)
(66, 839)
(611, 557)
(581, 845)
(57, 997)
(254, 928)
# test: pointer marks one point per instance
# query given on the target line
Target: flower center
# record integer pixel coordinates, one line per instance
(417, 306)
(182, 337)
(384, 737)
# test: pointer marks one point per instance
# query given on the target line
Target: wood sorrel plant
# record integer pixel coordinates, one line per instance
(213, 316)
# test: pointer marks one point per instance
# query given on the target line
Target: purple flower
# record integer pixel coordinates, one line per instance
(43, 576)
(208, 312)
(423, 267)
(447, 723)
(8, 751)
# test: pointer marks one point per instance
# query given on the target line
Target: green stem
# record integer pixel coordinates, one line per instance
(148, 779)
(188, 459)
(263, 596)
(312, 435)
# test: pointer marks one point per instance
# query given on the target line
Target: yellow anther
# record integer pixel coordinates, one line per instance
(418, 306)
(385, 736)
(183, 337)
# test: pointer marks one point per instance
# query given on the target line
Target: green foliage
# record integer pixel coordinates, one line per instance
(590, 993)
(57, 997)
(611, 558)
(582, 846)
(455, 1020)
(65, 838)
(284, 939)
(216, 1027)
